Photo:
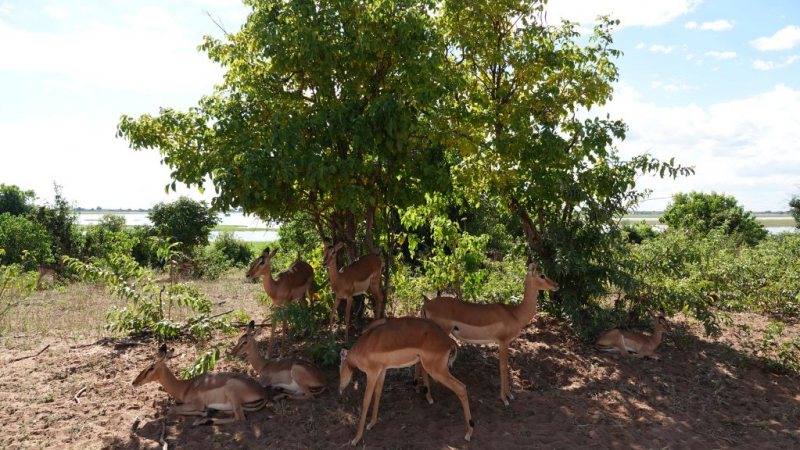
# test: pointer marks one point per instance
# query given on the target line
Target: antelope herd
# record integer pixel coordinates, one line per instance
(423, 342)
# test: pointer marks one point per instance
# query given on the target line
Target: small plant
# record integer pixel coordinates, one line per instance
(151, 308)
(303, 321)
(324, 351)
(15, 286)
(781, 357)
(206, 362)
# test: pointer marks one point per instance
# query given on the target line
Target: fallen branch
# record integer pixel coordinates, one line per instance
(135, 425)
(30, 356)
(209, 318)
(245, 325)
(77, 399)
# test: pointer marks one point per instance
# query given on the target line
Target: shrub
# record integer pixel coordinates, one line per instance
(702, 213)
(145, 245)
(211, 263)
(15, 285)
(184, 220)
(60, 220)
(236, 251)
(25, 242)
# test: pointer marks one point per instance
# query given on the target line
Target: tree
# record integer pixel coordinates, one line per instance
(185, 220)
(702, 213)
(321, 114)
(61, 222)
(517, 118)
(794, 204)
(14, 200)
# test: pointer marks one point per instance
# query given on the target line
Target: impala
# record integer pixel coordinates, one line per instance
(635, 344)
(297, 379)
(357, 278)
(290, 285)
(490, 324)
(397, 343)
(222, 391)
(48, 269)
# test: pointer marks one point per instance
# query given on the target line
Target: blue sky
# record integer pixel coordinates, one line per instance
(713, 83)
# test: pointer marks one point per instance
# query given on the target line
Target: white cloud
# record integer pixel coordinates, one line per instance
(721, 55)
(5, 8)
(640, 46)
(742, 147)
(689, 57)
(665, 49)
(690, 25)
(151, 53)
(717, 25)
(783, 39)
(631, 13)
(55, 12)
(772, 65)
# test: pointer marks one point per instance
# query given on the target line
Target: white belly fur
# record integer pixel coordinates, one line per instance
(473, 341)
(220, 406)
(292, 387)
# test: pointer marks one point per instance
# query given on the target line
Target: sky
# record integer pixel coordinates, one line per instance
(713, 83)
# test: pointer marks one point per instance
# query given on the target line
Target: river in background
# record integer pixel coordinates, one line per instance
(233, 219)
(239, 219)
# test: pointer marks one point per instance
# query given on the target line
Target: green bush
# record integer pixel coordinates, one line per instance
(211, 263)
(25, 242)
(184, 220)
(702, 213)
(236, 251)
(15, 201)
(15, 286)
(146, 240)
(61, 222)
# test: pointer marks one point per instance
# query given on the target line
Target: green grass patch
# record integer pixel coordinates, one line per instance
(241, 228)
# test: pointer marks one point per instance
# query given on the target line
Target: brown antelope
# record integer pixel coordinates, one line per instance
(48, 269)
(297, 379)
(222, 391)
(491, 324)
(290, 285)
(357, 278)
(397, 343)
(634, 344)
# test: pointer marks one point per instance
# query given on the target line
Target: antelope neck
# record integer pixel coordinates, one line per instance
(525, 311)
(174, 387)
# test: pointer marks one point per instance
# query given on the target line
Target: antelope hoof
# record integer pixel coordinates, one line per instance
(279, 397)
(510, 396)
(354, 442)
(369, 426)
(430, 401)
(505, 401)
(203, 421)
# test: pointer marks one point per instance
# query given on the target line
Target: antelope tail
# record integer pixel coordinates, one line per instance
(453, 355)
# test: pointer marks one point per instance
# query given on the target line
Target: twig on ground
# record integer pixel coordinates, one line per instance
(212, 317)
(77, 396)
(135, 425)
(30, 356)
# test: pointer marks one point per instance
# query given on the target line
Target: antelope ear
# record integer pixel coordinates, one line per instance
(338, 246)
(531, 267)
(266, 251)
(425, 298)
(162, 352)
(251, 326)
(272, 255)
(343, 354)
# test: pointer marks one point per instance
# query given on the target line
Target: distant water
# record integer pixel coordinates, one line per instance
(234, 218)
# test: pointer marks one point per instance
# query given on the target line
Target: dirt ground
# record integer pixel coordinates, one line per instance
(700, 395)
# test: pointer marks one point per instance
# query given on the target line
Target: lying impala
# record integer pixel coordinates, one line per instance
(397, 343)
(490, 324)
(222, 391)
(297, 379)
(357, 278)
(638, 345)
(290, 285)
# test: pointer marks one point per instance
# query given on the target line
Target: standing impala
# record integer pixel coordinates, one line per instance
(290, 285)
(297, 379)
(635, 344)
(357, 278)
(223, 391)
(397, 343)
(491, 324)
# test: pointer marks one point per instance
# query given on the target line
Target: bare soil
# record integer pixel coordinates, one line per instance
(703, 394)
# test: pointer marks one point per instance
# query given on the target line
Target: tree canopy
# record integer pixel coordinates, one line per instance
(185, 220)
(14, 200)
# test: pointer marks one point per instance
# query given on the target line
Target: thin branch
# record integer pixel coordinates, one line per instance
(31, 356)
(77, 396)
(218, 24)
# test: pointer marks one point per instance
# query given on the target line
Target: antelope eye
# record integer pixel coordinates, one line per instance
(542, 276)
(151, 368)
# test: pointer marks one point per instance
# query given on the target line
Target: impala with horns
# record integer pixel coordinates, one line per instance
(221, 391)
(635, 344)
(396, 343)
(490, 324)
(359, 277)
(295, 378)
(292, 284)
